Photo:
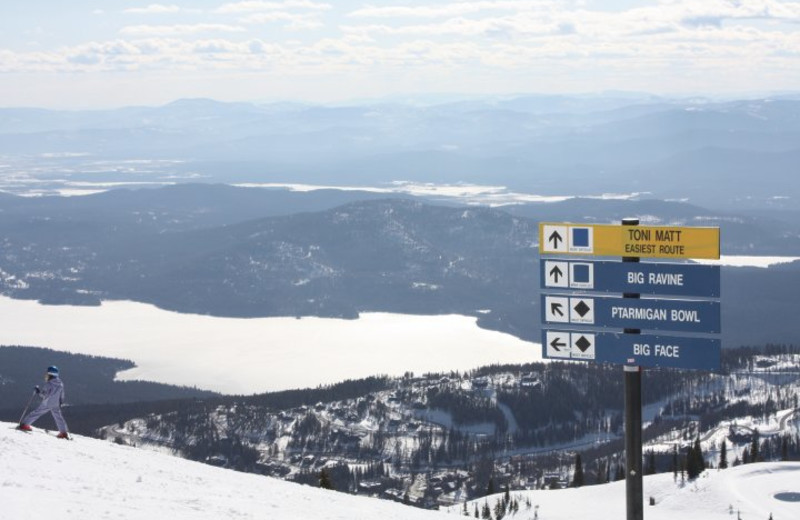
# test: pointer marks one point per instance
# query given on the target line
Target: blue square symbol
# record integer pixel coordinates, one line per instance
(580, 237)
(580, 273)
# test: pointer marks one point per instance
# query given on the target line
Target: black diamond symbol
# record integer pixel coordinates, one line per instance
(583, 344)
(582, 308)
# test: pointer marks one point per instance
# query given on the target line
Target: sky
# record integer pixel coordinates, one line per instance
(100, 53)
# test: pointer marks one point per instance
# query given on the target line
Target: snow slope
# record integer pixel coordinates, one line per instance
(92, 479)
(45, 477)
(748, 490)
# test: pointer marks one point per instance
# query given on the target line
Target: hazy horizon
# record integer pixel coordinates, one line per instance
(423, 99)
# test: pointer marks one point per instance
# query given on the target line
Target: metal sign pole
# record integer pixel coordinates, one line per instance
(634, 495)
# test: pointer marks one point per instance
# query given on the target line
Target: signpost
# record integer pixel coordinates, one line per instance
(626, 277)
(581, 319)
(611, 240)
(636, 349)
(650, 314)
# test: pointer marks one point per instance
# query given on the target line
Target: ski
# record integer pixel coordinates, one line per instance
(45, 432)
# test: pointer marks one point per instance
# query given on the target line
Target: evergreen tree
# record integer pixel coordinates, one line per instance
(490, 487)
(695, 463)
(507, 495)
(477, 514)
(754, 446)
(577, 478)
(675, 464)
(683, 469)
(486, 513)
(650, 469)
(723, 455)
(601, 472)
(499, 509)
(620, 474)
(325, 480)
(692, 471)
(785, 448)
(698, 453)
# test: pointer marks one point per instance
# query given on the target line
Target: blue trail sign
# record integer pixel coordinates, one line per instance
(630, 313)
(629, 277)
(637, 349)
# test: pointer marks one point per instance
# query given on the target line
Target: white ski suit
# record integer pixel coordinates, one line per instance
(52, 395)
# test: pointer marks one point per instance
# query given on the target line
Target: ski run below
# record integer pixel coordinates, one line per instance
(41, 476)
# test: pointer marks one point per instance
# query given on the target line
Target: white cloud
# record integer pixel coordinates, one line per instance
(686, 14)
(178, 30)
(258, 46)
(450, 9)
(689, 42)
(292, 14)
(153, 9)
(260, 6)
(467, 27)
(700, 49)
(671, 9)
(291, 21)
(218, 46)
(110, 48)
(532, 21)
(244, 49)
(477, 18)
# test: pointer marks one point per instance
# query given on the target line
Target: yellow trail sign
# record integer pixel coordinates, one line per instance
(616, 240)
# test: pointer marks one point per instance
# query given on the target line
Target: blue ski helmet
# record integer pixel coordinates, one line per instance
(52, 371)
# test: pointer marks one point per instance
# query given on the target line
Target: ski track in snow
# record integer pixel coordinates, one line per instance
(41, 476)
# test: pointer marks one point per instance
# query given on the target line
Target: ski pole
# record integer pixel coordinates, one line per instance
(26, 408)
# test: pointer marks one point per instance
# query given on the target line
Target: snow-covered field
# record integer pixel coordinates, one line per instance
(41, 476)
(478, 194)
(243, 356)
(747, 490)
(45, 477)
(749, 261)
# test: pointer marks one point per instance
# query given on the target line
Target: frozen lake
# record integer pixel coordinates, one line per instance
(244, 356)
(749, 261)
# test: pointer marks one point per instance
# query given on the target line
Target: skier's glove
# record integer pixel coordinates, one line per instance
(37, 389)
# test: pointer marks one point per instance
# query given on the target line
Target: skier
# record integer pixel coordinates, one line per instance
(52, 398)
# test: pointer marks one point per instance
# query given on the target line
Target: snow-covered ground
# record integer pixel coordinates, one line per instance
(243, 356)
(747, 490)
(478, 194)
(41, 476)
(749, 261)
(87, 479)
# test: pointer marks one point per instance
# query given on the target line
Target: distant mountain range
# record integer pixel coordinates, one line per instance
(716, 154)
(242, 252)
